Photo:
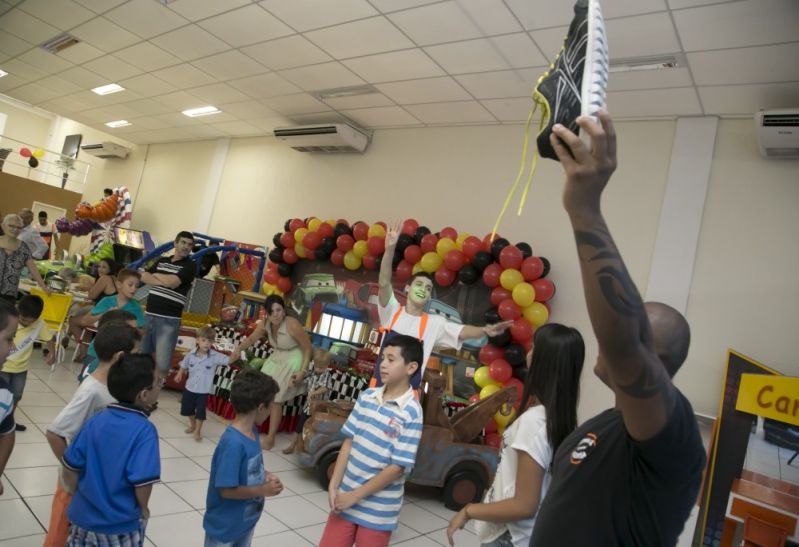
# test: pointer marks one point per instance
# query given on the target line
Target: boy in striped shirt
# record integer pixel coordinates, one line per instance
(382, 435)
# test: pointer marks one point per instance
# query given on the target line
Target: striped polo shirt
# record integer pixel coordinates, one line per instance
(382, 433)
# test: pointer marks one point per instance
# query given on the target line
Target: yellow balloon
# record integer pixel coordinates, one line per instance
(416, 268)
(352, 261)
(488, 391)
(267, 288)
(501, 419)
(38, 153)
(523, 294)
(482, 377)
(301, 251)
(444, 246)
(510, 278)
(536, 314)
(332, 222)
(360, 249)
(430, 262)
(299, 233)
(313, 224)
(461, 238)
(376, 230)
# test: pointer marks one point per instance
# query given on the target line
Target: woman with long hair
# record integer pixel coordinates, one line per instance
(15, 256)
(548, 414)
(104, 285)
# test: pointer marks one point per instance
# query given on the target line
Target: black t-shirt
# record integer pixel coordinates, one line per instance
(608, 489)
(166, 301)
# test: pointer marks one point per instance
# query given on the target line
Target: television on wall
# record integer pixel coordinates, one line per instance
(71, 146)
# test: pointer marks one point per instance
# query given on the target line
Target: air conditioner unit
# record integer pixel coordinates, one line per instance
(778, 133)
(337, 137)
(106, 150)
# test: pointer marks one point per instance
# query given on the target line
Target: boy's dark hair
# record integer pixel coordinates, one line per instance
(117, 316)
(130, 375)
(410, 348)
(422, 274)
(31, 306)
(207, 332)
(125, 273)
(107, 192)
(7, 311)
(42, 214)
(183, 234)
(250, 389)
(113, 337)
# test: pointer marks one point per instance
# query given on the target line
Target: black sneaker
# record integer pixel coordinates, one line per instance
(576, 82)
(21, 427)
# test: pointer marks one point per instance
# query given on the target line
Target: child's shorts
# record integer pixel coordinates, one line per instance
(16, 383)
(193, 404)
(78, 537)
(340, 532)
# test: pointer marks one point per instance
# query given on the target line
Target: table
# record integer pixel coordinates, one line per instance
(770, 500)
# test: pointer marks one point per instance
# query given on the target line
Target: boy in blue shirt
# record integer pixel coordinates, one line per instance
(114, 461)
(200, 363)
(238, 482)
(382, 435)
(8, 327)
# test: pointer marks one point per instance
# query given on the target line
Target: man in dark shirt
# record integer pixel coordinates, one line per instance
(630, 475)
(170, 279)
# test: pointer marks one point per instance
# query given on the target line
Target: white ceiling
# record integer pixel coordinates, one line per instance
(432, 62)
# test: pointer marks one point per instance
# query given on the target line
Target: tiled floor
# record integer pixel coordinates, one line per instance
(296, 517)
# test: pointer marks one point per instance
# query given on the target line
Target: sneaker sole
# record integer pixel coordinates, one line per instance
(595, 69)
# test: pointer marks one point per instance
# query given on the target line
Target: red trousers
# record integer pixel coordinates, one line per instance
(340, 532)
(58, 531)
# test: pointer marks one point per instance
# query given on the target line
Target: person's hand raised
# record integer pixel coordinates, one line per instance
(392, 235)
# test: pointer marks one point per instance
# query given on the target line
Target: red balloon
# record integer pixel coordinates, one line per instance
(337, 257)
(548, 306)
(271, 277)
(455, 260)
(544, 289)
(491, 275)
(449, 232)
(515, 382)
(494, 440)
(532, 268)
(491, 424)
(498, 294)
(344, 242)
(284, 284)
(528, 345)
(287, 240)
(490, 353)
(25, 152)
(521, 331)
(404, 270)
(376, 245)
(409, 227)
(508, 310)
(290, 256)
(511, 257)
(471, 245)
(369, 262)
(413, 254)
(485, 245)
(271, 265)
(500, 371)
(428, 243)
(294, 224)
(474, 398)
(311, 240)
(325, 230)
(343, 221)
(444, 276)
(360, 231)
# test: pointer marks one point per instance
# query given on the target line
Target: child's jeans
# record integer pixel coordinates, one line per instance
(243, 541)
(16, 383)
(340, 532)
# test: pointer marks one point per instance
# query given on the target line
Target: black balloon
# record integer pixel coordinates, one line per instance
(328, 245)
(395, 260)
(501, 340)
(286, 225)
(342, 229)
(403, 241)
(491, 316)
(525, 248)
(481, 260)
(515, 355)
(276, 239)
(546, 266)
(33, 162)
(320, 254)
(468, 275)
(285, 269)
(520, 373)
(421, 231)
(276, 255)
(497, 245)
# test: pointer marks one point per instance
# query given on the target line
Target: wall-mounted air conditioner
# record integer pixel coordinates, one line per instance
(106, 150)
(337, 137)
(778, 133)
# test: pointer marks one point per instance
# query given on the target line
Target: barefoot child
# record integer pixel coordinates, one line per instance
(317, 381)
(200, 364)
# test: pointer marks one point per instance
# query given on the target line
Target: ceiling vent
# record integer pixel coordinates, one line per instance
(60, 43)
(778, 133)
(329, 138)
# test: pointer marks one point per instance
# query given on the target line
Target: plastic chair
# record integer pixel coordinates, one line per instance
(86, 337)
(56, 310)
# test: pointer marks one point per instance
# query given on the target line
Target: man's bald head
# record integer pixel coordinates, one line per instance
(671, 335)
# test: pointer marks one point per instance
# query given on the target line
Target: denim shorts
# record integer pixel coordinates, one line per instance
(160, 338)
(16, 383)
(243, 541)
(193, 404)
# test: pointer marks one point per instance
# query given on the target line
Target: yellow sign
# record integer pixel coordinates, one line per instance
(775, 397)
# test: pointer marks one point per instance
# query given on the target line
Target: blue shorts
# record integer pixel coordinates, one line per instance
(193, 404)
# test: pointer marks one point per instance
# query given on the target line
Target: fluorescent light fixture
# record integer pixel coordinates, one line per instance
(338, 92)
(108, 89)
(201, 111)
(3, 73)
(118, 123)
(645, 63)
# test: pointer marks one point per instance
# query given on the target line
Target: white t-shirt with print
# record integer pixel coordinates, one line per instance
(528, 433)
(90, 398)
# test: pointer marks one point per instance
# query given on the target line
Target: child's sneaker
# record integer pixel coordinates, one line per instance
(576, 82)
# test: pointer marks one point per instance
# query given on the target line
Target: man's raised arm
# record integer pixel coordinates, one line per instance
(384, 278)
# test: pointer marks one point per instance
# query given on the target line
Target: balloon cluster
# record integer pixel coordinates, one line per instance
(100, 212)
(80, 227)
(33, 157)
